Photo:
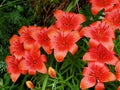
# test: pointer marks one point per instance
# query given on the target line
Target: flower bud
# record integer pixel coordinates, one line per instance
(52, 72)
(30, 85)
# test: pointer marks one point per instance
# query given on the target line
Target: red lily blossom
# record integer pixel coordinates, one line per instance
(96, 73)
(34, 61)
(13, 68)
(26, 36)
(41, 37)
(99, 32)
(63, 42)
(68, 21)
(100, 54)
(113, 18)
(117, 69)
(16, 47)
(98, 5)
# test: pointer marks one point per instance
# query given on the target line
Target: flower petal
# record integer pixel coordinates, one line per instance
(117, 67)
(108, 76)
(14, 76)
(118, 76)
(22, 30)
(32, 71)
(87, 82)
(85, 32)
(86, 71)
(43, 58)
(99, 86)
(59, 55)
(89, 56)
(75, 35)
(47, 48)
(42, 68)
(73, 49)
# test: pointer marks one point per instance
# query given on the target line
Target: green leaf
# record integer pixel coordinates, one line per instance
(1, 82)
(72, 5)
(117, 45)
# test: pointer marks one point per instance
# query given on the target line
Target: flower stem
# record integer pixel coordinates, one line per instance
(45, 82)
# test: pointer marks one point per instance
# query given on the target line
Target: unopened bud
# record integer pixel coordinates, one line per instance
(52, 72)
(30, 85)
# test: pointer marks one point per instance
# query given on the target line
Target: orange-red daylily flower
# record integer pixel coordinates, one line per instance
(41, 37)
(63, 42)
(98, 5)
(113, 18)
(68, 21)
(34, 61)
(13, 68)
(99, 32)
(117, 69)
(16, 47)
(26, 36)
(96, 73)
(100, 54)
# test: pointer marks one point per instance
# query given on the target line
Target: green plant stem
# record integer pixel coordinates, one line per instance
(47, 76)
(45, 82)
(72, 5)
(23, 82)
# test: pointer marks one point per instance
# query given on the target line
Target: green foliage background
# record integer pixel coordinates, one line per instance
(17, 13)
